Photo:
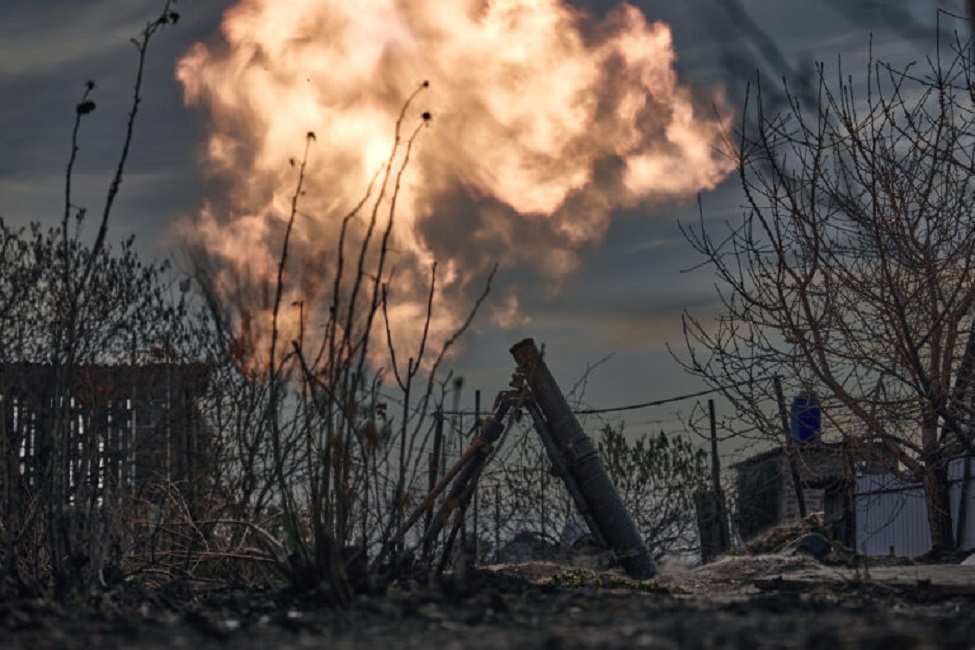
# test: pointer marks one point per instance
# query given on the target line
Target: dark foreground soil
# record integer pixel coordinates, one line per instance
(749, 602)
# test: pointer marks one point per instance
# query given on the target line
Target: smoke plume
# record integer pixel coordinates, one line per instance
(539, 122)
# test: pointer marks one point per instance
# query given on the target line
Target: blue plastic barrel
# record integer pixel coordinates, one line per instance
(806, 418)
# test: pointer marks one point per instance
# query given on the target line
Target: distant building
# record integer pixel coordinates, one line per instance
(129, 429)
(767, 494)
(864, 507)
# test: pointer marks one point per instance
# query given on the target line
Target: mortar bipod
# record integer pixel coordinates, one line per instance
(464, 474)
(573, 457)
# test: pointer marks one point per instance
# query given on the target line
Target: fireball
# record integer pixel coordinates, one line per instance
(470, 133)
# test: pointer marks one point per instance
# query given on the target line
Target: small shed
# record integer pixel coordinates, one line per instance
(767, 494)
(867, 509)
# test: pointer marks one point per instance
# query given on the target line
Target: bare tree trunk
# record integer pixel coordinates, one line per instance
(936, 495)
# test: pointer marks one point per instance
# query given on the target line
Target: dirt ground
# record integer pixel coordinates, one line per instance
(763, 601)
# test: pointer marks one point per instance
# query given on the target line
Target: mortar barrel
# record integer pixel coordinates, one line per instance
(606, 508)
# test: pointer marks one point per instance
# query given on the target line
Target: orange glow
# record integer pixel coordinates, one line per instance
(545, 121)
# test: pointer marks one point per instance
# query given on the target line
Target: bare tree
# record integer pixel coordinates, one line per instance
(852, 270)
(657, 478)
(317, 435)
(68, 304)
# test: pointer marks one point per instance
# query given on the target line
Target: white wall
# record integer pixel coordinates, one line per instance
(891, 514)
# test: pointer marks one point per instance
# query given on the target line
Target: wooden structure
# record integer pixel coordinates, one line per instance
(127, 428)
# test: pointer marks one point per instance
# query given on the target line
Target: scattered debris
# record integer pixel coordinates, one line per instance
(775, 539)
(812, 544)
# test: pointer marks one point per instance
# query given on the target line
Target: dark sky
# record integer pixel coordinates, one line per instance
(628, 295)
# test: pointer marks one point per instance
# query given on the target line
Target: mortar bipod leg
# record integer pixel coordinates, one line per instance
(476, 455)
(464, 501)
(419, 510)
(561, 467)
